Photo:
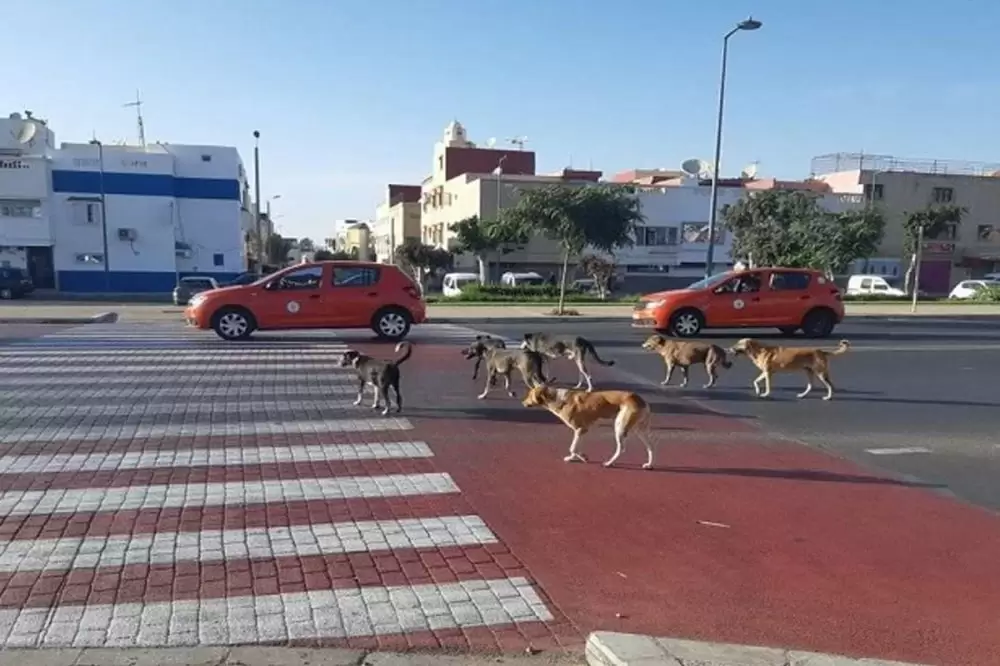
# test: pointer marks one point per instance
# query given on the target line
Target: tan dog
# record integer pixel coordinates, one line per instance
(683, 354)
(769, 360)
(580, 410)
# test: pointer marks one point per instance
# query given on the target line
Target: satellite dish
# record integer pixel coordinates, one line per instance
(705, 170)
(27, 132)
(490, 142)
(749, 171)
(692, 167)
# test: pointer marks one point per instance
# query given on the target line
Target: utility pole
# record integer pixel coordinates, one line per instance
(916, 269)
(104, 215)
(138, 117)
(258, 226)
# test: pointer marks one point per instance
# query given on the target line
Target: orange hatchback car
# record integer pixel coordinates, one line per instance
(325, 294)
(789, 299)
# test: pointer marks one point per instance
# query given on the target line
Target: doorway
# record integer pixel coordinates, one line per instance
(40, 267)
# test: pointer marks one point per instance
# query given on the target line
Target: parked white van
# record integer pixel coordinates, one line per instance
(453, 283)
(858, 285)
(521, 279)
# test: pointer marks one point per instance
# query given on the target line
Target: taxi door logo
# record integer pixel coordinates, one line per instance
(293, 307)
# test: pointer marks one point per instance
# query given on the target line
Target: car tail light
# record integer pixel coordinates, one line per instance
(412, 292)
(836, 294)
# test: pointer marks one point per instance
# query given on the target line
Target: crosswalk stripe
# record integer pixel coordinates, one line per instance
(228, 456)
(88, 433)
(180, 409)
(88, 356)
(249, 619)
(255, 543)
(236, 493)
(162, 378)
(276, 367)
(87, 394)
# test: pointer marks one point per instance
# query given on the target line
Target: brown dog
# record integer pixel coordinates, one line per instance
(580, 410)
(769, 360)
(683, 354)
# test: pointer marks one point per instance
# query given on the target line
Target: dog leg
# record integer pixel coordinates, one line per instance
(825, 378)
(621, 431)
(475, 369)
(361, 393)
(375, 396)
(756, 384)
(685, 370)
(767, 385)
(712, 375)
(670, 373)
(574, 455)
(506, 386)
(491, 378)
(809, 384)
(383, 392)
(399, 397)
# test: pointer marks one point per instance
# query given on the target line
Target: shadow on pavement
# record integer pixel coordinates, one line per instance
(798, 475)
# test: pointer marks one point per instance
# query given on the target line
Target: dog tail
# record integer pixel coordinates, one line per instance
(589, 346)
(409, 352)
(841, 348)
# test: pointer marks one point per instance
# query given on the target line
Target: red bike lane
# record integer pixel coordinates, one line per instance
(734, 536)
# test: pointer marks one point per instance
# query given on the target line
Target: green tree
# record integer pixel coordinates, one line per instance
(930, 223)
(604, 217)
(484, 238)
(420, 260)
(276, 249)
(327, 255)
(790, 228)
(600, 271)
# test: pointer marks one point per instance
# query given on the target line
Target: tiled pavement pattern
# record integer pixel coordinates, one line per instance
(159, 487)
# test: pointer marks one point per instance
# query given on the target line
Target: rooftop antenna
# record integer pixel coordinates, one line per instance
(519, 141)
(138, 117)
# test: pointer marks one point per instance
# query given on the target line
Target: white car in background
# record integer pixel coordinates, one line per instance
(969, 288)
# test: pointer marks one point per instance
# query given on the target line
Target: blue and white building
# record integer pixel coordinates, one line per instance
(89, 218)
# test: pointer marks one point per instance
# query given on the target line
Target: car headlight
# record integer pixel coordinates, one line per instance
(652, 305)
(195, 300)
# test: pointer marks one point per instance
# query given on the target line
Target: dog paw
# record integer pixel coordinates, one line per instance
(648, 466)
(385, 412)
(357, 402)
(575, 457)
(609, 463)
(480, 397)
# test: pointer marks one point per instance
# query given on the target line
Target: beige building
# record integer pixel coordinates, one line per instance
(900, 187)
(396, 219)
(354, 238)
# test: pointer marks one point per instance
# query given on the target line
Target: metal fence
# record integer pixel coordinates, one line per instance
(835, 162)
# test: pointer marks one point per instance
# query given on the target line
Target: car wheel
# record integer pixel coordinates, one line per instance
(788, 330)
(687, 323)
(233, 324)
(392, 323)
(6, 294)
(818, 324)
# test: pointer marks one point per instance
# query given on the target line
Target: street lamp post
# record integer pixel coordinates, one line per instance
(258, 226)
(749, 24)
(104, 215)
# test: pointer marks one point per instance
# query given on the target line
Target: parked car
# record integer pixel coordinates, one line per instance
(969, 288)
(15, 283)
(191, 285)
(453, 283)
(789, 299)
(325, 294)
(241, 279)
(862, 285)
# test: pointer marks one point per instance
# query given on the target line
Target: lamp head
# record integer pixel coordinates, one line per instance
(750, 24)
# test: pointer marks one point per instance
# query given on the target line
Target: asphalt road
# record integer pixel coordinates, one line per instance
(916, 397)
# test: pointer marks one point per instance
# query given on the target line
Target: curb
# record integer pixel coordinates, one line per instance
(528, 320)
(102, 318)
(606, 648)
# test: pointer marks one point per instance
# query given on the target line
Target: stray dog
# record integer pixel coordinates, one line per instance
(501, 362)
(379, 374)
(684, 354)
(575, 349)
(581, 409)
(488, 343)
(769, 360)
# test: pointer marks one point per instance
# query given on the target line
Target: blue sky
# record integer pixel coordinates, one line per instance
(350, 95)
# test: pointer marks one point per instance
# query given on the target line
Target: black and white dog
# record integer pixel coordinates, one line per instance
(379, 374)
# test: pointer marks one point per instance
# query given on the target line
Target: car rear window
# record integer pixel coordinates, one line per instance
(789, 281)
(355, 276)
(197, 282)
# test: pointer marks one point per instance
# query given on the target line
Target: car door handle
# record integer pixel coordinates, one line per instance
(804, 298)
(373, 293)
(316, 296)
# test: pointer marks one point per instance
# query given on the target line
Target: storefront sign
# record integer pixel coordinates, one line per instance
(939, 247)
(14, 164)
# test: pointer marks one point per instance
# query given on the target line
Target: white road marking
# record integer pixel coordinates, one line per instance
(217, 376)
(194, 351)
(276, 618)
(276, 367)
(176, 355)
(253, 543)
(235, 493)
(93, 433)
(152, 392)
(898, 451)
(52, 463)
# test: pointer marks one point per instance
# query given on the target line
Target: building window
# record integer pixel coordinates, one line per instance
(440, 162)
(206, 158)
(874, 192)
(988, 233)
(948, 233)
(20, 209)
(647, 269)
(219, 259)
(90, 258)
(943, 195)
(697, 232)
(656, 236)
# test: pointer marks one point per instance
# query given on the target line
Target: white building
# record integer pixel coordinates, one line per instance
(120, 219)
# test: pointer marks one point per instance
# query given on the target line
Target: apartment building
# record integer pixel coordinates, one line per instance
(396, 219)
(900, 186)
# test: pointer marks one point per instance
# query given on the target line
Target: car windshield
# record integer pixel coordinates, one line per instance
(707, 282)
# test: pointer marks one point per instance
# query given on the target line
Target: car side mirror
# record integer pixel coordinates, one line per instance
(271, 286)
